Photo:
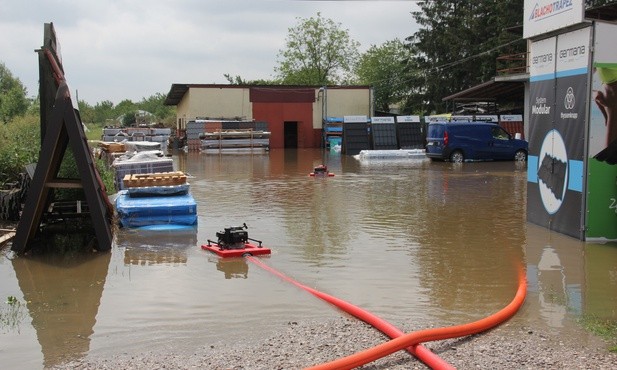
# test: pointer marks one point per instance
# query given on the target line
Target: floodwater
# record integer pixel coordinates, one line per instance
(409, 240)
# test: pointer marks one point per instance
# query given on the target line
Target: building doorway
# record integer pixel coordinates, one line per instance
(290, 134)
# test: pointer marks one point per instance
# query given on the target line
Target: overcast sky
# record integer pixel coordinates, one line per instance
(131, 49)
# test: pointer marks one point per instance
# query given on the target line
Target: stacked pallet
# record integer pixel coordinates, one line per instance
(140, 163)
(154, 179)
(155, 134)
(235, 139)
(6, 235)
(198, 129)
(110, 147)
(156, 200)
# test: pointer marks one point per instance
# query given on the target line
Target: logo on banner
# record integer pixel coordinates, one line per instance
(551, 9)
(569, 100)
(568, 103)
(553, 171)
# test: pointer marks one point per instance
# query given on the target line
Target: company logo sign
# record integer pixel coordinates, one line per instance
(568, 103)
(539, 12)
(543, 16)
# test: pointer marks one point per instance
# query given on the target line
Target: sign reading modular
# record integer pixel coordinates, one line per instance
(558, 93)
(542, 16)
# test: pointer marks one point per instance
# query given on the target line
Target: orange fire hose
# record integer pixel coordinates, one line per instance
(428, 335)
(421, 352)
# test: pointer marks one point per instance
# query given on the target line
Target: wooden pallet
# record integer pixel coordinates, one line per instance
(154, 179)
(112, 147)
(6, 235)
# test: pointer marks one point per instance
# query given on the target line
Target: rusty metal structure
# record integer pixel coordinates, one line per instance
(61, 128)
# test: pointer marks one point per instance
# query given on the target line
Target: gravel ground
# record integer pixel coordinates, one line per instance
(305, 344)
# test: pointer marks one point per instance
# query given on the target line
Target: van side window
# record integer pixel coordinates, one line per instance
(499, 133)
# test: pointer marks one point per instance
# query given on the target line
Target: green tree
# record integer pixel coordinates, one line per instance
(457, 46)
(596, 3)
(235, 80)
(125, 107)
(13, 100)
(238, 80)
(318, 52)
(129, 118)
(383, 68)
(86, 112)
(104, 111)
(155, 104)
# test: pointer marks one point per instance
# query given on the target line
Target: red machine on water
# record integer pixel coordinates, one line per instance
(321, 171)
(235, 242)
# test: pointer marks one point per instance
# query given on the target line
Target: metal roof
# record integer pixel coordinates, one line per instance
(603, 13)
(175, 94)
(501, 91)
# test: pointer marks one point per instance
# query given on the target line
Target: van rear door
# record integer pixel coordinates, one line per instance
(434, 140)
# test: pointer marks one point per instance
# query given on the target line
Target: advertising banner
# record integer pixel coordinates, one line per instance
(557, 132)
(542, 16)
(602, 161)
(542, 100)
(572, 75)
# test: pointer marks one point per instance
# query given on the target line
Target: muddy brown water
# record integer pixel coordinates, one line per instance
(409, 240)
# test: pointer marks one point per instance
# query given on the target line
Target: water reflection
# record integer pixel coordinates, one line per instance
(472, 237)
(555, 273)
(62, 296)
(600, 289)
(151, 247)
(569, 277)
(233, 267)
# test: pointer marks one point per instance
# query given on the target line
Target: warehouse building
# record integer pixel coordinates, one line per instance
(294, 115)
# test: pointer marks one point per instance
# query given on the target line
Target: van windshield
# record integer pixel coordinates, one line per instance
(435, 131)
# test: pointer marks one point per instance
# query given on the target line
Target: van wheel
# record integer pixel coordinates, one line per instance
(520, 156)
(457, 157)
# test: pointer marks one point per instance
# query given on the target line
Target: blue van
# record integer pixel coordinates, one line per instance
(461, 141)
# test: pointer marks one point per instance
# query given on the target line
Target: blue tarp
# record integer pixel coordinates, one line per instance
(163, 210)
(334, 119)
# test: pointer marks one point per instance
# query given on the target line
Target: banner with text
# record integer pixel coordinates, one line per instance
(559, 72)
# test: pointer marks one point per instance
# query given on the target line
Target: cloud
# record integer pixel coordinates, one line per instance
(124, 49)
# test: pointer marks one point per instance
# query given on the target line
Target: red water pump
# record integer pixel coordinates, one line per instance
(235, 242)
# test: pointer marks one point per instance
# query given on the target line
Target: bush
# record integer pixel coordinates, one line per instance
(20, 142)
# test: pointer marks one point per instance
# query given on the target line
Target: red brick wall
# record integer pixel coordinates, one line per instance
(513, 128)
(278, 113)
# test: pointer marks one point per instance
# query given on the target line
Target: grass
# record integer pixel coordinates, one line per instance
(12, 313)
(95, 131)
(604, 328)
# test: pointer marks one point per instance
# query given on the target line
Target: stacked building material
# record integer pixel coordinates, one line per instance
(223, 135)
(156, 200)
